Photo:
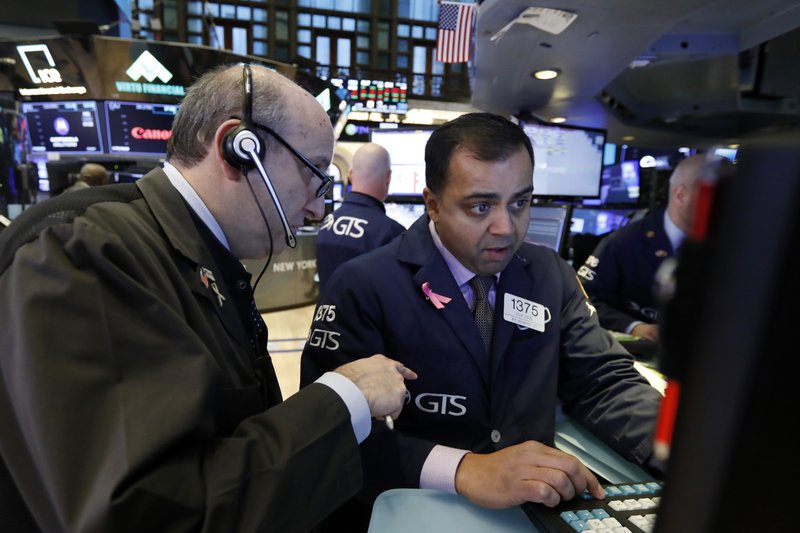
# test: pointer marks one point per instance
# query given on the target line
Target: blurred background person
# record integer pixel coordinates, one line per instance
(361, 223)
(91, 175)
(619, 275)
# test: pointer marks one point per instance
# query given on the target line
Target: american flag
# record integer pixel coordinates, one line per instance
(454, 36)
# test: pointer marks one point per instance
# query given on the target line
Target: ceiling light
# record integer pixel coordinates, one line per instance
(558, 120)
(629, 138)
(546, 74)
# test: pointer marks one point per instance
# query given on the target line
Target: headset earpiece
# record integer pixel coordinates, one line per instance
(237, 145)
(240, 141)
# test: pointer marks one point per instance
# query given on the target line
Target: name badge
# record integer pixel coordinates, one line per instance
(524, 312)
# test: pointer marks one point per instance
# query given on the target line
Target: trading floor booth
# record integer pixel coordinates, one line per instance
(289, 280)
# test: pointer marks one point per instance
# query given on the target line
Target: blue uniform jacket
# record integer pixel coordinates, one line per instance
(375, 304)
(358, 226)
(619, 276)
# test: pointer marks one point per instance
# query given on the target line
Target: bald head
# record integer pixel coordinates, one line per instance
(93, 174)
(683, 184)
(371, 171)
(217, 96)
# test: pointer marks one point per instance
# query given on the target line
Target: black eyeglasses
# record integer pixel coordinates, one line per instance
(327, 181)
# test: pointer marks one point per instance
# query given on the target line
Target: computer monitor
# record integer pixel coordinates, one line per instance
(733, 457)
(548, 226)
(404, 213)
(337, 191)
(406, 147)
(726, 152)
(619, 185)
(138, 128)
(69, 127)
(598, 221)
(381, 96)
(568, 160)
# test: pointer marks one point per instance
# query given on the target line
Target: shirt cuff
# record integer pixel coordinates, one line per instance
(354, 400)
(629, 329)
(439, 470)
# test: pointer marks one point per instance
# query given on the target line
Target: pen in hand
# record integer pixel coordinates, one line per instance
(389, 422)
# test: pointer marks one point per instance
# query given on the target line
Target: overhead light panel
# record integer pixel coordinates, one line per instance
(546, 74)
(558, 120)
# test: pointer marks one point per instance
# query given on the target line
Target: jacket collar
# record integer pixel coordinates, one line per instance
(172, 214)
(365, 200)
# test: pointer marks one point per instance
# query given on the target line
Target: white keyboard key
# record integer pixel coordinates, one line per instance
(618, 505)
(633, 504)
(647, 503)
(595, 524)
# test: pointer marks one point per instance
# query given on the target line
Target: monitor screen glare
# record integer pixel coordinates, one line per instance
(405, 214)
(598, 221)
(547, 226)
(568, 160)
(63, 126)
(407, 151)
(619, 186)
(139, 127)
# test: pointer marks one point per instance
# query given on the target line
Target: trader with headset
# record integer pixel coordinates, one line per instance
(160, 410)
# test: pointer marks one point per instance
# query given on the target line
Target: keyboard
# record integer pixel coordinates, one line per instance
(627, 508)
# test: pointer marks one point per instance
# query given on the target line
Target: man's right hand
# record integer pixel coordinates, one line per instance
(527, 472)
(382, 381)
(646, 331)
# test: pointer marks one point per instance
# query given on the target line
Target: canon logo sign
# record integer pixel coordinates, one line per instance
(151, 135)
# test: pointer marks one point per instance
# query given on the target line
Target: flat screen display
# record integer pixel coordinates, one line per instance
(598, 221)
(407, 152)
(548, 226)
(375, 95)
(568, 160)
(72, 127)
(138, 127)
(619, 185)
(405, 214)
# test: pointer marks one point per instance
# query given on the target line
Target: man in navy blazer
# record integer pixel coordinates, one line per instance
(361, 223)
(620, 274)
(476, 422)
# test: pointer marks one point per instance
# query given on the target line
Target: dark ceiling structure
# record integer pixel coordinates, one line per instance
(698, 73)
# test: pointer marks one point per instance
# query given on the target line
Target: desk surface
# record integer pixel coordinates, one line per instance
(431, 511)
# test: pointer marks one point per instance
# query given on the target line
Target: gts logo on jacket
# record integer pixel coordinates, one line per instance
(344, 225)
(443, 404)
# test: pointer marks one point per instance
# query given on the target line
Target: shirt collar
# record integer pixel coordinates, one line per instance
(674, 233)
(461, 273)
(194, 201)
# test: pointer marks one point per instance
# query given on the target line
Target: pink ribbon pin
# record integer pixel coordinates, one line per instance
(438, 300)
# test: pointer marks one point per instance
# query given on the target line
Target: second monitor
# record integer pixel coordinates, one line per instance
(548, 226)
